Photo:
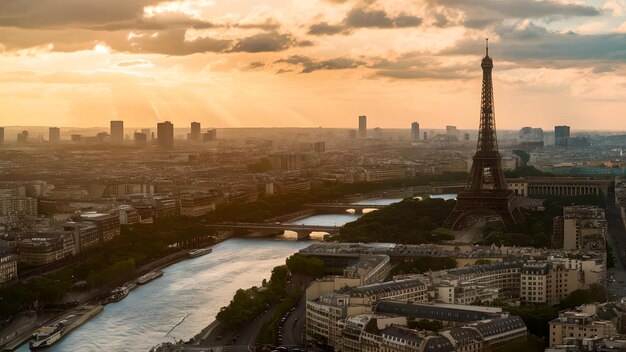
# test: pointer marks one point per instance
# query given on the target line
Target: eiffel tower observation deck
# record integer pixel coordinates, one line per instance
(487, 193)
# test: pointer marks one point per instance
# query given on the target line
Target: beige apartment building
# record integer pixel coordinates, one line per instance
(571, 327)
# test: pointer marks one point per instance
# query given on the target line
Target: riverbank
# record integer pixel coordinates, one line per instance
(14, 335)
(194, 288)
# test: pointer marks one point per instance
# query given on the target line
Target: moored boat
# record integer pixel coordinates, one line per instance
(194, 253)
(47, 335)
(149, 277)
(118, 294)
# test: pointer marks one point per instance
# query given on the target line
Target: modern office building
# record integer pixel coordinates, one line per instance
(54, 135)
(165, 135)
(147, 132)
(1, 135)
(561, 135)
(210, 135)
(415, 132)
(22, 137)
(362, 126)
(117, 131)
(140, 138)
(195, 134)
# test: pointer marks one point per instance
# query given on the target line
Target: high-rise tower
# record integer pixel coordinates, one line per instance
(117, 131)
(487, 192)
(165, 135)
(362, 126)
(54, 135)
(415, 132)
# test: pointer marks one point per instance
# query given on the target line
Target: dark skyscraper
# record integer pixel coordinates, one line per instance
(22, 137)
(140, 138)
(195, 132)
(1, 135)
(486, 193)
(415, 132)
(561, 135)
(362, 126)
(165, 135)
(54, 135)
(117, 131)
(210, 135)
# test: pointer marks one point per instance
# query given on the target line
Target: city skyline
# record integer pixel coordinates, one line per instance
(320, 63)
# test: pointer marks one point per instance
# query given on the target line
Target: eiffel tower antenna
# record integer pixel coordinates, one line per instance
(487, 47)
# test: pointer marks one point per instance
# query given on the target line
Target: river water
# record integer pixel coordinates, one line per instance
(198, 287)
(194, 288)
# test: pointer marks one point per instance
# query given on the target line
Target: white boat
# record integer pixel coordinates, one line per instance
(47, 335)
(199, 252)
(149, 277)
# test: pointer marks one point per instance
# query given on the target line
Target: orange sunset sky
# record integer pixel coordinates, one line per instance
(309, 63)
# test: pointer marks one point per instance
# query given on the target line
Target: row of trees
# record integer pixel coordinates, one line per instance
(275, 205)
(411, 221)
(423, 264)
(538, 226)
(248, 304)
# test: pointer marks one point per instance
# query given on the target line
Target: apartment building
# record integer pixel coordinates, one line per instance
(571, 327)
(580, 228)
(194, 204)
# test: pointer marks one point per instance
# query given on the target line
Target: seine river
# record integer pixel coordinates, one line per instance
(195, 288)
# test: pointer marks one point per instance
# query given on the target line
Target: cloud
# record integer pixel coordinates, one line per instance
(172, 42)
(532, 44)
(254, 66)
(266, 42)
(134, 63)
(603, 69)
(362, 17)
(408, 66)
(418, 66)
(481, 13)
(308, 65)
(70, 13)
(323, 28)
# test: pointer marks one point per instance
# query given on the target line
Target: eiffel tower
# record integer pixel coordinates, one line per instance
(486, 193)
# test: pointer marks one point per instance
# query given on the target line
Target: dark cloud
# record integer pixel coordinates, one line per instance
(417, 66)
(363, 17)
(266, 42)
(173, 42)
(69, 13)
(408, 66)
(535, 45)
(255, 65)
(308, 65)
(481, 13)
(323, 28)
(603, 69)
(167, 42)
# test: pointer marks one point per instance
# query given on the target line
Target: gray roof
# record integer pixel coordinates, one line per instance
(405, 334)
(385, 287)
(500, 325)
(464, 336)
(427, 311)
(438, 344)
(476, 269)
